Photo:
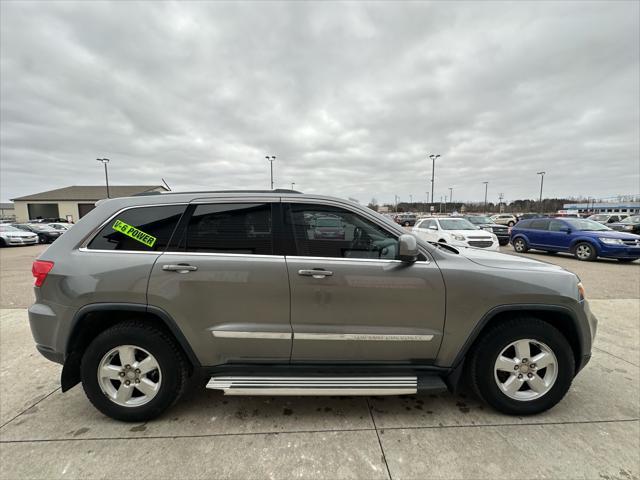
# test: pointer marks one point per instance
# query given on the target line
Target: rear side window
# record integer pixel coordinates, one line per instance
(139, 229)
(539, 224)
(230, 228)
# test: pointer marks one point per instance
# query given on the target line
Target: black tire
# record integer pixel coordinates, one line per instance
(511, 223)
(492, 343)
(503, 242)
(585, 252)
(405, 224)
(170, 359)
(2, 243)
(626, 260)
(520, 245)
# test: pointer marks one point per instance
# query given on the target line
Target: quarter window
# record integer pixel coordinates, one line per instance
(139, 229)
(230, 228)
(325, 231)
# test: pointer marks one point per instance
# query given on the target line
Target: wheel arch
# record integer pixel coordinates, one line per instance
(591, 241)
(562, 318)
(91, 320)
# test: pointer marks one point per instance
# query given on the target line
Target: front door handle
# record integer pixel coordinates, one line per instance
(315, 273)
(180, 268)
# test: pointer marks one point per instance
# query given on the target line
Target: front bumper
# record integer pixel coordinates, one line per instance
(21, 241)
(610, 251)
(592, 322)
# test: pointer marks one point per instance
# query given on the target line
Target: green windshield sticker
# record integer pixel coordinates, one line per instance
(133, 232)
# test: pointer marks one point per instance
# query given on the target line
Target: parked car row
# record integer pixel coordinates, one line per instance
(456, 231)
(31, 233)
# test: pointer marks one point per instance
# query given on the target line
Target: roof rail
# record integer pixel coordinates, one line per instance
(277, 190)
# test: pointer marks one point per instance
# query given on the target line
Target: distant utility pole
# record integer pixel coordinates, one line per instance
(397, 198)
(440, 203)
(271, 159)
(541, 183)
(104, 161)
(500, 206)
(433, 171)
(427, 197)
(292, 184)
(451, 197)
(486, 186)
(410, 198)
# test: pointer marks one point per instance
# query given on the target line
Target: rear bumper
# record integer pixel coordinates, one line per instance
(48, 331)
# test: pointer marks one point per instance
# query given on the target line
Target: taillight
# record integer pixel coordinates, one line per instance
(40, 270)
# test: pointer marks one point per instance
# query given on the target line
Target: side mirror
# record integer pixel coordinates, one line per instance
(433, 227)
(408, 248)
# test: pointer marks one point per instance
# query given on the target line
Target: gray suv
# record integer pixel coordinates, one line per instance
(146, 295)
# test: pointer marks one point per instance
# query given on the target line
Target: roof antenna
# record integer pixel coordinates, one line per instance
(166, 184)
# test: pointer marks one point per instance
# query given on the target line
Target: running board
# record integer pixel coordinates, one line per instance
(316, 386)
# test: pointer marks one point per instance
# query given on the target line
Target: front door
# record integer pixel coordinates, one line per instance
(351, 299)
(558, 236)
(223, 285)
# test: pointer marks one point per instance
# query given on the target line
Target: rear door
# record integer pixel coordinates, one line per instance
(352, 300)
(558, 236)
(222, 282)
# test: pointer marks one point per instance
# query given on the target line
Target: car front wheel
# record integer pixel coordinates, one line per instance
(133, 372)
(522, 367)
(585, 251)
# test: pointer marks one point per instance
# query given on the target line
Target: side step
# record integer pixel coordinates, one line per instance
(316, 386)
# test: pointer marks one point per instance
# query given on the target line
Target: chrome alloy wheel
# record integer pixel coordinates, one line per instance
(583, 251)
(526, 370)
(519, 245)
(129, 376)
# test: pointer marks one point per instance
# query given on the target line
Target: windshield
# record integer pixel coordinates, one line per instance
(9, 228)
(632, 219)
(39, 227)
(457, 224)
(479, 220)
(585, 225)
(599, 218)
(328, 222)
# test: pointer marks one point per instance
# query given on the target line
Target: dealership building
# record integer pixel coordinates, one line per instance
(630, 208)
(72, 203)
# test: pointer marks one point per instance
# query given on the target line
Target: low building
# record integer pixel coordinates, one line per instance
(72, 203)
(7, 211)
(604, 207)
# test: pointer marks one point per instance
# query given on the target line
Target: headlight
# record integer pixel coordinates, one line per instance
(581, 291)
(628, 227)
(611, 241)
(488, 229)
(458, 237)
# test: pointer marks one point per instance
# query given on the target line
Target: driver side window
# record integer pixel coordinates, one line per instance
(325, 231)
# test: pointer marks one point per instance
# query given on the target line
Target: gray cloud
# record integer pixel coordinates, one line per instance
(351, 97)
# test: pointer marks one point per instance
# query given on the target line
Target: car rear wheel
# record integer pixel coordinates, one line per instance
(406, 224)
(522, 367)
(520, 245)
(511, 223)
(585, 251)
(133, 372)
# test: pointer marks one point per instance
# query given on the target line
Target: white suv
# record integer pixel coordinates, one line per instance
(458, 232)
(505, 219)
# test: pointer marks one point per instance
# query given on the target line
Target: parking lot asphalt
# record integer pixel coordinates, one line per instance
(593, 433)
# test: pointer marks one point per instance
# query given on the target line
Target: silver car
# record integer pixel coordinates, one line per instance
(146, 294)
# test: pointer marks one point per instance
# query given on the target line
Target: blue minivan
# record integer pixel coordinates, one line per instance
(586, 239)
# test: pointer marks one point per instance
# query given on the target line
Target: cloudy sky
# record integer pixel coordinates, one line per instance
(350, 97)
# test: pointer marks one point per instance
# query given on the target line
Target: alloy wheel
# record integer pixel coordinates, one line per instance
(526, 370)
(583, 251)
(129, 376)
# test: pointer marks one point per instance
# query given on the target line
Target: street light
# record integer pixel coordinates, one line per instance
(541, 183)
(271, 160)
(433, 170)
(104, 161)
(292, 184)
(451, 197)
(486, 186)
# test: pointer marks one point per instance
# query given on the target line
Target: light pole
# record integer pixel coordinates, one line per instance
(541, 183)
(486, 186)
(271, 160)
(411, 199)
(433, 170)
(104, 161)
(292, 184)
(396, 197)
(451, 198)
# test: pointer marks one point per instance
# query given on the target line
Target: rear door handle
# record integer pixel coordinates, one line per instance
(179, 268)
(315, 273)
